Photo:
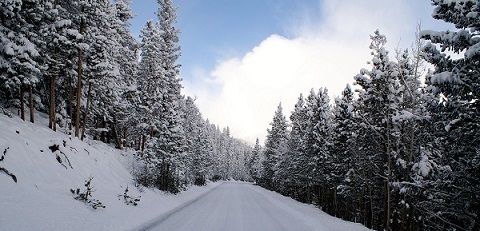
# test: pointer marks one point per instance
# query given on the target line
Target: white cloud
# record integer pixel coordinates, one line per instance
(243, 92)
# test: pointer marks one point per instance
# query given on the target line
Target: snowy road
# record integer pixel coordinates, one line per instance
(242, 206)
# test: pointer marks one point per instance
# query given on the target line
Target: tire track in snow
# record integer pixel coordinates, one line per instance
(159, 220)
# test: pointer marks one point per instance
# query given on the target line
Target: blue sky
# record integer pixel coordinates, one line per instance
(220, 29)
(242, 57)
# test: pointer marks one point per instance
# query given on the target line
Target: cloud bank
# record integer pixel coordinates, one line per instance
(243, 92)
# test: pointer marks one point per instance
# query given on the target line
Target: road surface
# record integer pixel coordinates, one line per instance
(238, 206)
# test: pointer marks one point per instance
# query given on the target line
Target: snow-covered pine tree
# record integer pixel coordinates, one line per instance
(172, 139)
(150, 91)
(377, 104)
(312, 151)
(455, 86)
(275, 148)
(56, 44)
(18, 53)
(317, 142)
(34, 12)
(320, 116)
(256, 162)
(127, 59)
(78, 12)
(345, 174)
(198, 148)
(298, 176)
(413, 140)
(101, 74)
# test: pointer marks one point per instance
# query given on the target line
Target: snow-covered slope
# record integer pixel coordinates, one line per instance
(41, 199)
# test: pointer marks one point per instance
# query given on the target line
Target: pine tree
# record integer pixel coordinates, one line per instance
(345, 174)
(18, 53)
(297, 149)
(255, 164)
(57, 41)
(321, 118)
(275, 148)
(127, 59)
(455, 86)
(378, 103)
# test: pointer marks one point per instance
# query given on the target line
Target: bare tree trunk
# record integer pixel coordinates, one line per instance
(143, 143)
(79, 85)
(30, 101)
(335, 202)
(167, 176)
(85, 117)
(389, 175)
(140, 143)
(115, 134)
(369, 210)
(70, 105)
(103, 133)
(125, 137)
(22, 104)
(52, 116)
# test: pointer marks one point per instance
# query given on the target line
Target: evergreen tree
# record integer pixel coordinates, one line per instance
(455, 88)
(346, 166)
(275, 147)
(18, 52)
(126, 57)
(378, 103)
(297, 174)
(255, 164)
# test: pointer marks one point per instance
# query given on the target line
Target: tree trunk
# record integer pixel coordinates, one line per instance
(22, 104)
(51, 122)
(143, 143)
(369, 209)
(139, 145)
(167, 176)
(162, 175)
(125, 137)
(30, 99)
(115, 135)
(335, 202)
(79, 94)
(103, 133)
(79, 84)
(85, 116)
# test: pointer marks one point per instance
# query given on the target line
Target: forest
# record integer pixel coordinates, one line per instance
(398, 150)
(78, 62)
(393, 152)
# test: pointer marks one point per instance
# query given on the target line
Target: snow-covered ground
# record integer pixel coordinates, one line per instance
(41, 199)
(242, 206)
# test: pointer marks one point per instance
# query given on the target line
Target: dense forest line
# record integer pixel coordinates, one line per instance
(392, 153)
(78, 62)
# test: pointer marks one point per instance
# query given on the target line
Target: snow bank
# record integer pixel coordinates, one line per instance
(311, 216)
(41, 199)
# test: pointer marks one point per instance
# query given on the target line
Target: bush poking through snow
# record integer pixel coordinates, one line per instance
(86, 195)
(54, 148)
(4, 170)
(128, 199)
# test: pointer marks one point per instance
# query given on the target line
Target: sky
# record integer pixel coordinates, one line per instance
(241, 58)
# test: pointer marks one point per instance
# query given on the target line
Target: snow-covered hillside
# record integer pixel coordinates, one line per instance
(41, 199)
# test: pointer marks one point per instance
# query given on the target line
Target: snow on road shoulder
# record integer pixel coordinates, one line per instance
(309, 214)
(41, 199)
